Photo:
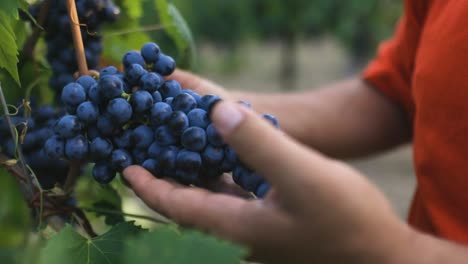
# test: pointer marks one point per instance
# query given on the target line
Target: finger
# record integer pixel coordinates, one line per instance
(228, 216)
(283, 162)
(226, 185)
(198, 84)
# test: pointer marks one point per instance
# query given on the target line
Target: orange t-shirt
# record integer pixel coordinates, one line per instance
(424, 69)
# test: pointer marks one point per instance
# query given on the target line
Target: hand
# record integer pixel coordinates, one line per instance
(319, 211)
(198, 84)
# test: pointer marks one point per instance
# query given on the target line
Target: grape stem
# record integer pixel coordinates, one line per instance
(74, 171)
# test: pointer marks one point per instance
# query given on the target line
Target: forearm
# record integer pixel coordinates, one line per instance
(346, 119)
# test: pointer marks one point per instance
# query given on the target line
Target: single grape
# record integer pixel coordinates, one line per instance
(198, 118)
(160, 113)
(110, 87)
(177, 123)
(194, 138)
(103, 173)
(54, 147)
(184, 102)
(87, 112)
(68, 126)
(109, 70)
(121, 159)
(86, 82)
(76, 148)
(106, 126)
(100, 148)
(150, 52)
(123, 139)
(119, 110)
(151, 82)
(141, 101)
(188, 161)
(167, 159)
(157, 97)
(132, 57)
(133, 73)
(142, 137)
(164, 137)
(208, 101)
(165, 65)
(152, 166)
(212, 155)
(139, 156)
(154, 150)
(262, 190)
(170, 88)
(193, 94)
(73, 94)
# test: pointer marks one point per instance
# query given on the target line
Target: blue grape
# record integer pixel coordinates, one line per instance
(160, 113)
(139, 156)
(87, 112)
(151, 82)
(141, 101)
(142, 137)
(157, 97)
(170, 88)
(169, 100)
(245, 104)
(188, 161)
(165, 65)
(86, 82)
(133, 74)
(177, 123)
(198, 118)
(92, 132)
(208, 101)
(73, 94)
(105, 125)
(100, 148)
(184, 102)
(109, 70)
(194, 138)
(164, 137)
(123, 140)
(246, 178)
(212, 155)
(68, 126)
(110, 87)
(230, 155)
(103, 173)
(76, 148)
(150, 52)
(213, 136)
(119, 110)
(167, 159)
(262, 190)
(94, 94)
(154, 150)
(193, 94)
(121, 159)
(272, 119)
(132, 57)
(152, 166)
(54, 147)
(44, 113)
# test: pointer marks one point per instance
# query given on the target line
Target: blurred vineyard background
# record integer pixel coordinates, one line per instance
(257, 45)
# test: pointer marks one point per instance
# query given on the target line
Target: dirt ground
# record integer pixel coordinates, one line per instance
(319, 62)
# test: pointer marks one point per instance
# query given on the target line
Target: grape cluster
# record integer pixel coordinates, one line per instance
(32, 133)
(60, 52)
(138, 117)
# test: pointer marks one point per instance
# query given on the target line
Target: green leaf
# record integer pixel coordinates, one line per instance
(101, 208)
(166, 245)
(8, 46)
(10, 7)
(70, 247)
(133, 8)
(178, 30)
(14, 213)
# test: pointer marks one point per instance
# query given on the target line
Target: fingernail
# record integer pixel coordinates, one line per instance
(226, 117)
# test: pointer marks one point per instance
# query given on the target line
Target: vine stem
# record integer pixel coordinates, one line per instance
(74, 171)
(28, 183)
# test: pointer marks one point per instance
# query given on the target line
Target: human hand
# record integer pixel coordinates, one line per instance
(319, 211)
(198, 84)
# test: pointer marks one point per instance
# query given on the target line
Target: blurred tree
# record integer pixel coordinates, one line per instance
(358, 24)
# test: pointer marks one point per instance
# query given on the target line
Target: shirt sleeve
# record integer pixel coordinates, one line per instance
(392, 69)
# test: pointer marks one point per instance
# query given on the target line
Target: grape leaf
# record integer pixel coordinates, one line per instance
(178, 30)
(166, 245)
(70, 247)
(10, 7)
(133, 8)
(8, 46)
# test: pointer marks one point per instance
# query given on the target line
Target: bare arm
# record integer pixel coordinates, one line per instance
(346, 119)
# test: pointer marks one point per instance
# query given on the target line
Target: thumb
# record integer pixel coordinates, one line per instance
(281, 160)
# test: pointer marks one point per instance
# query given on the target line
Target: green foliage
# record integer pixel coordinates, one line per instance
(166, 245)
(8, 46)
(68, 246)
(14, 214)
(178, 30)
